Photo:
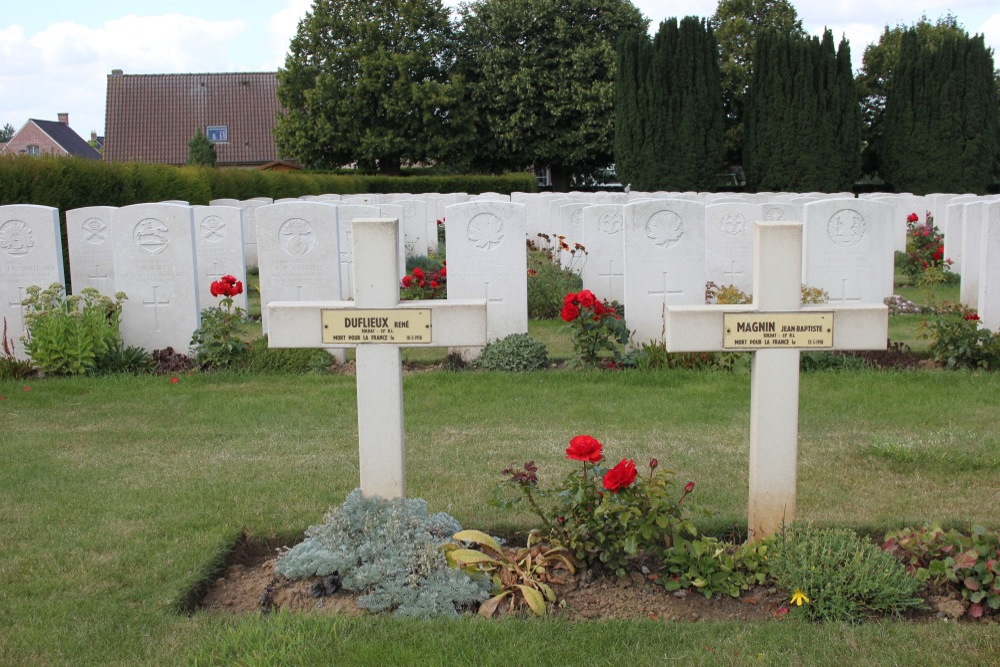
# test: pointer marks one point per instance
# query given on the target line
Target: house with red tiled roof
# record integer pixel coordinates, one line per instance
(152, 117)
(49, 137)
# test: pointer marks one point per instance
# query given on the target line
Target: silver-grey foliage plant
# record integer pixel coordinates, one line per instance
(390, 551)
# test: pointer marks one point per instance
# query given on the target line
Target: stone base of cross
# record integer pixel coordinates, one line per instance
(378, 326)
(775, 327)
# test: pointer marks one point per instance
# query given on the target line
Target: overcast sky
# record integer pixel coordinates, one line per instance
(55, 55)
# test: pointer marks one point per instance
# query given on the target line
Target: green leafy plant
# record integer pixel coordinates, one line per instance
(548, 282)
(67, 334)
(217, 343)
(130, 359)
(260, 358)
(712, 567)
(519, 575)
(516, 352)
(842, 576)
(604, 515)
(596, 328)
(961, 342)
(966, 562)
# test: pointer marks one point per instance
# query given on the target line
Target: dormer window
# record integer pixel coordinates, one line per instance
(217, 134)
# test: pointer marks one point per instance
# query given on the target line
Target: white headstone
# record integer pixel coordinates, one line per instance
(30, 254)
(729, 243)
(218, 232)
(972, 240)
(155, 266)
(664, 262)
(417, 240)
(347, 213)
(951, 227)
(988, 299)
(774, 380)
(91, 259)
(604, 271)
(377, 314)
(487, 259)
(299, 254)
(848, 249)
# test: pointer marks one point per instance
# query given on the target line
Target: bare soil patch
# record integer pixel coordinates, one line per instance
(248, 584)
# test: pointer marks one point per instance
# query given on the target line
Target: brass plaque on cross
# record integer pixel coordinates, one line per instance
(758, 331)
(397, 326)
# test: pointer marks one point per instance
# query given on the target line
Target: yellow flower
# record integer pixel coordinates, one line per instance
(798, 597)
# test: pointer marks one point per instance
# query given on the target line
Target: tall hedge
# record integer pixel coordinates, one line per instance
(670, 128)
(942, 132)
(802, 118)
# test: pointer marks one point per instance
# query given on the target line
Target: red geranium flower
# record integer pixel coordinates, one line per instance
(569, 312)
(570, 298)
(913, 217)
(621, 476)
(585, 448)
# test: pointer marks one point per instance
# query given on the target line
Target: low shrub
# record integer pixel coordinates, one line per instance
(712, 567)
(517, 352)
(840, 576)
(390, 551)
(260, 358)
(548, 283)
(962, 343)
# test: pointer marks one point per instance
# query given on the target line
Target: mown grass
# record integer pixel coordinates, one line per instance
(121, 494)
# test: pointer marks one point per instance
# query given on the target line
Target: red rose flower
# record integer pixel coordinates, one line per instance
(621, 476)
(570, 298)
(569, 312)
(586, 298)
(238, 288)
(214, 289)
(599, 309)
(423, 283)
(585, 448)
(971, 316)
(913, 217)
(939, 253)
(689, 487)
(434, 284)
(407, 281)
(443, 272)
(418, 273)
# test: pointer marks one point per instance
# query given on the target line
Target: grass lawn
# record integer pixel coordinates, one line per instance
(121, 494)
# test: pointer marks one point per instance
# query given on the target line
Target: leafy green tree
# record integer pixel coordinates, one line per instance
(7, 133)
(201, 151)
(670, 127)
(874, 79)
(368, 82)
(541, 77)
(737, 24)
(803, 120)
(942, 131)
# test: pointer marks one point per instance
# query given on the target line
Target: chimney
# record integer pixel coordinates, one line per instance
(93, 135)
(64, 118)
(117, 72)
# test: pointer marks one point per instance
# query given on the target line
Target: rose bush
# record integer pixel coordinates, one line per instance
(217, 343)
(596, 327)
(604, 516)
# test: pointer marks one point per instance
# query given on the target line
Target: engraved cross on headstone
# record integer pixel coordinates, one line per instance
(611, 275)
(732, 272)
(19, 304)
(774, 375)
(843, 291)
(155, 305)
(666, 291)
(97, 276)
(453, 323)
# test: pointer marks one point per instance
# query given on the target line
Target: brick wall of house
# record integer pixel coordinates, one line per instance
(32, 135)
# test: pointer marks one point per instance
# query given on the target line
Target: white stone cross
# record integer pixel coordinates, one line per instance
(389, 325)
(776, 327)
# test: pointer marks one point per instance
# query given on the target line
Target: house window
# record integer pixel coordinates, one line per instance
(543, 175)
(218, 133)
(33, 150)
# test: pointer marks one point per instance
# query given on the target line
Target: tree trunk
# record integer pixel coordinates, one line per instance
(389, 166)
(560, 179)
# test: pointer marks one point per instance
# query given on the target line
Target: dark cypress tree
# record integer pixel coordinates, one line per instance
(803, 120)
(629, 126)
(942, 131)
